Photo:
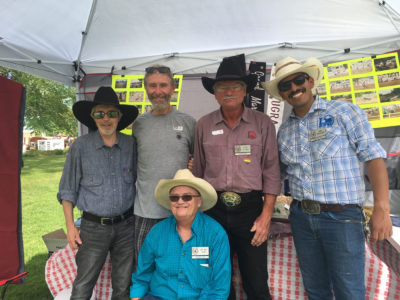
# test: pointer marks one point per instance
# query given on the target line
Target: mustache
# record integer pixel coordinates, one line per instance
(303, 90)
(229, 97)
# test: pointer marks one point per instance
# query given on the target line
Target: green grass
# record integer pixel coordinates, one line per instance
(41, 214)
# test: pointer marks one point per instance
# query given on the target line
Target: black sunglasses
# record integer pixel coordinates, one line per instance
(186, 198)
(287, 85)
(100, 114)
(161, 69)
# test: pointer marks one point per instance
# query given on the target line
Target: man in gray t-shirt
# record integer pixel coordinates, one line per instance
(165, 140)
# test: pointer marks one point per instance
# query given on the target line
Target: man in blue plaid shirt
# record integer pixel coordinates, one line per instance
(321, 146)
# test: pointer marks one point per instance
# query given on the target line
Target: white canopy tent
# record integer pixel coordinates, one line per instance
(63, 40)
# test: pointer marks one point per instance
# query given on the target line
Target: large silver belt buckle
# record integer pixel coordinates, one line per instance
(230, 199)
(311, 207)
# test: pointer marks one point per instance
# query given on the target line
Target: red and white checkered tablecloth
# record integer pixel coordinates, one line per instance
(285, 280)
(61, 272)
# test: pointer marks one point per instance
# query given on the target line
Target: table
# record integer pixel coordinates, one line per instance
(285, 281)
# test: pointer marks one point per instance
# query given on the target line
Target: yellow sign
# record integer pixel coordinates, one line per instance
(130, 91)
(372, 83)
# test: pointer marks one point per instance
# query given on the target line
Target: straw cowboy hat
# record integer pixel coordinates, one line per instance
(231, 68)
(289, 66)
(185, 177)
(104, 96)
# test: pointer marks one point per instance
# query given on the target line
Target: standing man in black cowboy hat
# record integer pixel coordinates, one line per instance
(99, 179)
(236, 151)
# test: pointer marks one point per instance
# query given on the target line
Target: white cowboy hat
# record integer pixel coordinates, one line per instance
(289, 66)
(185, 177)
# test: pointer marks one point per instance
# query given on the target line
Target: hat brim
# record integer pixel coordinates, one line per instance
(250, 80)
(313, 67)
(208, 194)
(82, 110)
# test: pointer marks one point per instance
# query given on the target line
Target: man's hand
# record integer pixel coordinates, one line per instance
(261, 229)
(190, 163)
(136, 298)
(380, 224)
(73, 237)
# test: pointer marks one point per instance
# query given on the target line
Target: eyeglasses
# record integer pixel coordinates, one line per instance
(186, 198)
(161, 69)
(100, 114)
(223, 88)
(287, 85)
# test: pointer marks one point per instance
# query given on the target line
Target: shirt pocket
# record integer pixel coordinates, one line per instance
(250, 165)
(92, 185)
(203, 273)
(328, 147)
(214, 160)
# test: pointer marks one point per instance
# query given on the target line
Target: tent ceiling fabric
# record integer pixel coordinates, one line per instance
(52, 38)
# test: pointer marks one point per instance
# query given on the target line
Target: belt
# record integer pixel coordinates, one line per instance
(232, 199)
(322, 207)
(107, 220)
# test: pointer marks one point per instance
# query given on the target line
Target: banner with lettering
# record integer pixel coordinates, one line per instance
(275, 107)
(255, 99)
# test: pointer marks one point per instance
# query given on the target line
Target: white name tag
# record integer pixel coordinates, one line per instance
(178, 128)
(217, 132)
(200, 253)
(242, 149)
(317, 134)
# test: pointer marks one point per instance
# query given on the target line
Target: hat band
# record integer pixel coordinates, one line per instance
(285, 65)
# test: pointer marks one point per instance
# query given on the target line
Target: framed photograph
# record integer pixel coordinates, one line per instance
(372, 113)
(121, 96)
(385, 63)
(136, 96)
(389, 95)
(389, 79)
(345, 97)
(340, 86)
(136, 83)
(338, 71)
(120, 84)
(359, 67)
(366, 98)
(391, 111)
(364, 83)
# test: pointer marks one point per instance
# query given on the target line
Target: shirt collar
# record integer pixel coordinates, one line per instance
(98, 141)
(196, 226)
(318, 104)
(245, 115)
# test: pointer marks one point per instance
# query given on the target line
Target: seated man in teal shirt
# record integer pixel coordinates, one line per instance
(185, 256)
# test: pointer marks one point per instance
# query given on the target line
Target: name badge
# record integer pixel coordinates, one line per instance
(217, 132)
(317, 134)
(200, 252)
(178, 128)
(242, 149)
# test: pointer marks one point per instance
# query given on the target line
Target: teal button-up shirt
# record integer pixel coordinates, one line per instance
(171, 270)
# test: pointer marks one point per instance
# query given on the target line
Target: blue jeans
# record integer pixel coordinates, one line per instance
(331, 252)
(97, 241)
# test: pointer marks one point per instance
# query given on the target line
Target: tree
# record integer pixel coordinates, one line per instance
(45, 110)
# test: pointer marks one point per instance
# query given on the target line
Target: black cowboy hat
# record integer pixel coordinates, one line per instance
(105, 95)
(231, 68)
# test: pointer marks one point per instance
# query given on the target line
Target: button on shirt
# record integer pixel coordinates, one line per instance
(326, 167)
(170, 270)
(216, 160)
(99, 179)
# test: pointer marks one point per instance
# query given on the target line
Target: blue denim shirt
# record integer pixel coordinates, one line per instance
(171, 270)
(99, 179)
(326, 168)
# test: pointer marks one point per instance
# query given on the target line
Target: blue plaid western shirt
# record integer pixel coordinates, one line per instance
(321, 152)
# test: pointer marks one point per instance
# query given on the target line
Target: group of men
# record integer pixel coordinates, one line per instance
(128, 186)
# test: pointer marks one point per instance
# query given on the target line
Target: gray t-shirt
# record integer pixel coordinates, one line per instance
(164, 143)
